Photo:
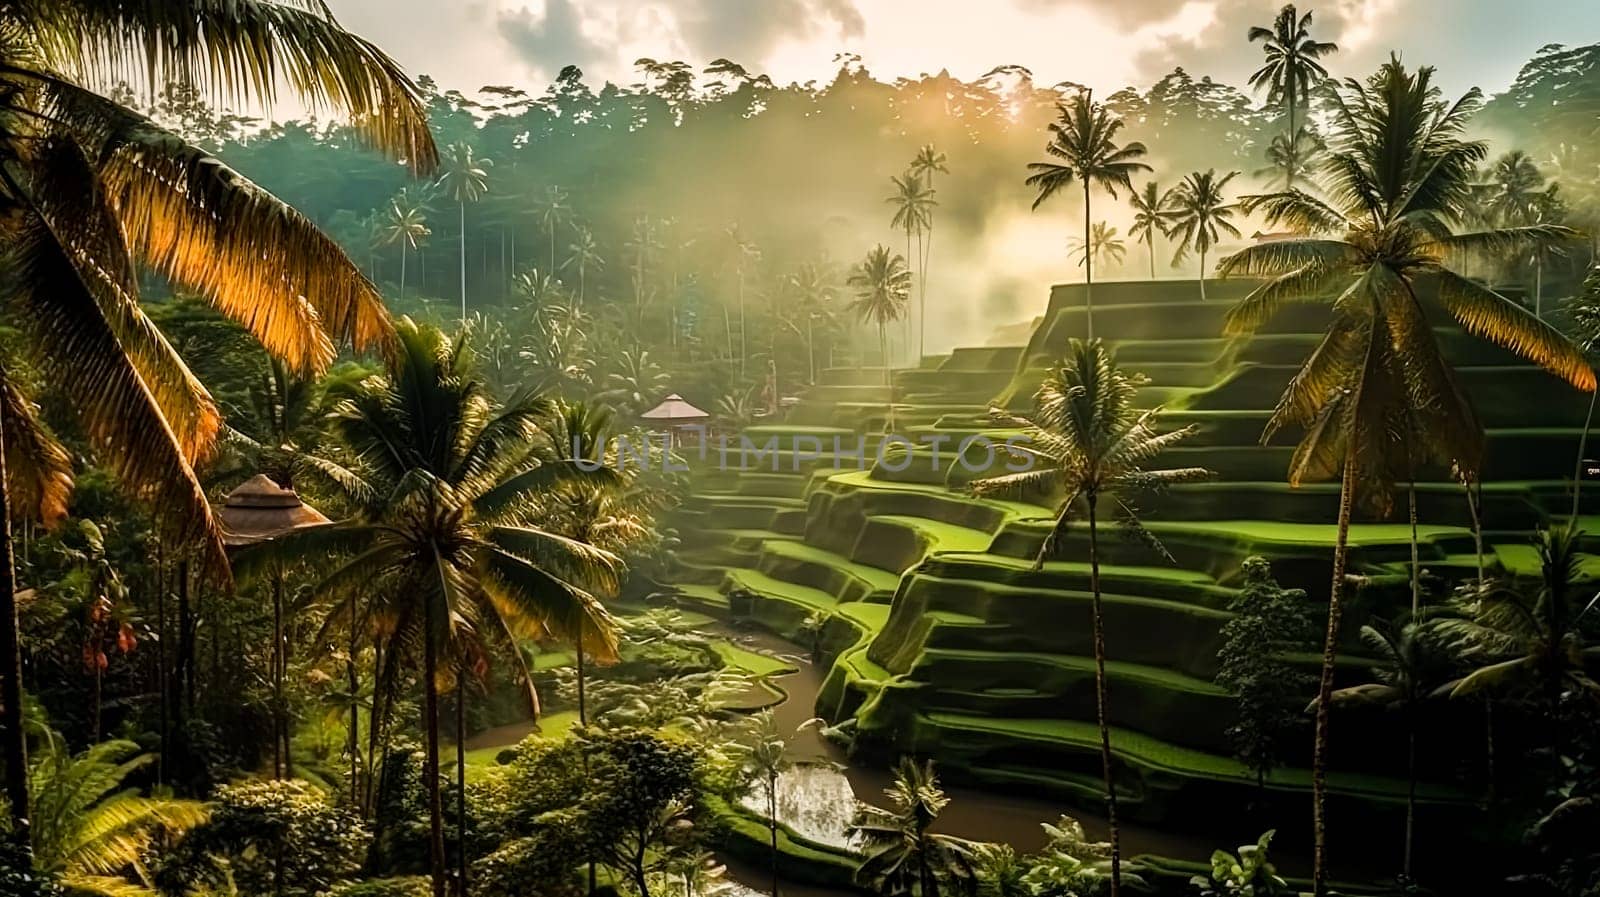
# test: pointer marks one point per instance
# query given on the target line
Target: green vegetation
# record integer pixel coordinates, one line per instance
(278, 552)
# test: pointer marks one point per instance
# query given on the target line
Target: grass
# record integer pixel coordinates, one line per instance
(750, 661)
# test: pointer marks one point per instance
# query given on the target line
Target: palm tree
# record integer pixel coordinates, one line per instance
(1199, 216)
(883, 288)
(1402, 175)
(1150, 207)
(1516, 194)
(636, 383)
(1584, 313)
(407, 226)
(913, 213)
(1530, 646)
(1084, 139)
(1291, 69)
(1288, 155)
(464, 177)
(553, 213)
(95, 190)
(745, 253)
(1089, 446)
(447, 557)
(1410, 665)
(1103, 244)
(925, 164)
(814, 291)
(287, 420)
(584, 255)
(89, 829)
(903, 856)
(768, 755)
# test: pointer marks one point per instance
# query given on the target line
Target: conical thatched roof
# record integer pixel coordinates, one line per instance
(674, 408)
(261, 509)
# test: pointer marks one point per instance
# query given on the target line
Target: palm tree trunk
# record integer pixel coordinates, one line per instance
(402, 270)
(1583, 446)
(1488, 745)
(1475, 513)
(1330, 655)
(1294, 160)
(1538, 287)
(1152, 244)
(1088, 269)
(744, 350)
(1100, 702)
(1202, 275)
(461, 783)
(1411, 792)
(772, 824)
(583, 721)
(1416, 572)
(277, 676)
(811, 350)
(354, 744)
(16, 743)
(463, 260)
(430, 761)
(922, 294)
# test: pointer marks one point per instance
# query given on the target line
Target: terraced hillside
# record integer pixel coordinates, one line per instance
(944, 641)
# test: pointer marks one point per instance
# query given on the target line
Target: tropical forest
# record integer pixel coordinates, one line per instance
(679, 479)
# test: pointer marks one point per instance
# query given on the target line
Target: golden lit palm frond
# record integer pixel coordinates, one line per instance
(120, 415)
(1485, 313)
(38, 467)
(240, 51)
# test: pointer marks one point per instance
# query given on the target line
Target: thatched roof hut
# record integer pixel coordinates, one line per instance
(260, 509)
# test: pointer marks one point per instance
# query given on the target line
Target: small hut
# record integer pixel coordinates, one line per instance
(260, 509)
(675, 417)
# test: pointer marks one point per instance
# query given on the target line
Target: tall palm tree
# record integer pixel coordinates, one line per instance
(1150, 207)
(745, 254)
(94, 189)
(1089, 446)
(1103, 245)
(1583, 311)
(464, 177)
(1288, 155)
(925, 164)
(1401, 174)
(883, 288)
(1084, 139)
(447, 556)
(814, 290)
(553, 212)
(769, 754)
(584, 256)
(90, 829)
(407, 227)
(903, 855)
(913, 213)
(1517, 194)
(1199, 216)
(1411, 663)
(1293, 66)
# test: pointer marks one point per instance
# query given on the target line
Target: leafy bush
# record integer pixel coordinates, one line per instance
(1249, 874)
(400, 886)
(271, 837)
(543, 865)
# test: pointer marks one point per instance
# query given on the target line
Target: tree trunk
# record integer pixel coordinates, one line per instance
(183, 664)
(772, 825)
(430, 761)
(1100, 702)
(1202, 275)
(1475, 513)
(1411, 793)
(1583, 446)
(1152, 245)
(811, 350)
(461, 783)
(922, 295)
(278, 738)
(402, 270)
(354, 742)
(1330, 655)
(1088, 269)
(1294, 156)
(463, 260)
(583, 721)
(16, 747)
(1416, 572)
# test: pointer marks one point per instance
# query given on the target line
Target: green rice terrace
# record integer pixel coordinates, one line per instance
(940, 638)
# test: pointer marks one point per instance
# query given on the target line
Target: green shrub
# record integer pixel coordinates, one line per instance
(271, 837)
(399, 886)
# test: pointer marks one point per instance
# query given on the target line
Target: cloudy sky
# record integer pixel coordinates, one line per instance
(1107, 44)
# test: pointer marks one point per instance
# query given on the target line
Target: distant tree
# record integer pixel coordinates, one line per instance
(913, 213)
(1083, 138)
(1150, 208)
(903, 856)
(464, 177)
(1103, 244)
(1199, 216)
(1516, 194)
(1088, 444)
(407, 227)
(642, 807)
(927, 162)
(1269, 622)
(553, 212)
(584, 256)
(883, 287)
(1293, 66)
